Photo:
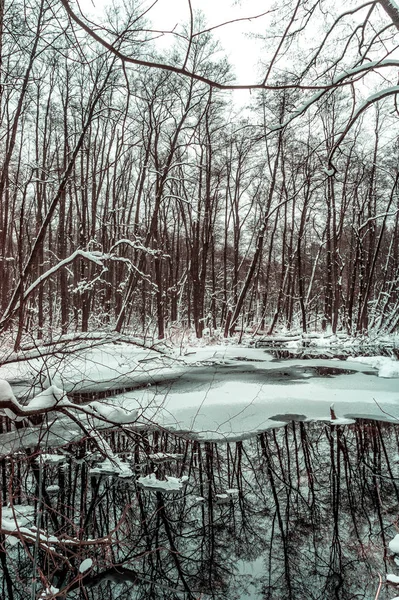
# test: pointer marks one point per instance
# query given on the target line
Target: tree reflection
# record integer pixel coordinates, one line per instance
(304, 511)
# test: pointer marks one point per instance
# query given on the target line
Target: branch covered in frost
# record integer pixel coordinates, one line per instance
(72, 342)
(138, 245)
(391, 91)
(389, 6)
(96, 257)
(46, 540)
(55, 399)
(351, 73)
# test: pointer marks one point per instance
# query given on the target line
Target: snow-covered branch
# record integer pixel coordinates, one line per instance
(138, 245)
(55, 399)
(337, 81)
(95, 257)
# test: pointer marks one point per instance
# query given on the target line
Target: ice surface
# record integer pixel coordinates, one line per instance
(221, 392)
(221, 405)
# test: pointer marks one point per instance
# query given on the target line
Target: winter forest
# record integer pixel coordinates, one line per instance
(199, 300)
(136, 196)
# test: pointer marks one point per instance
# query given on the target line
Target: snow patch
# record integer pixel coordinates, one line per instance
(85, 565)
(49, 592)
(172, 484)
(114, 413)
(114, 466)
(387, 367)
(160, 457)
(394, 544)
(51, 458)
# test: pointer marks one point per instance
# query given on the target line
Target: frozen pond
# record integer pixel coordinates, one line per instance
(246, 476)
(236, 401)
(222, 393)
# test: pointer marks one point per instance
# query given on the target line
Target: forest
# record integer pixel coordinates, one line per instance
(136, 196)
(199, 300)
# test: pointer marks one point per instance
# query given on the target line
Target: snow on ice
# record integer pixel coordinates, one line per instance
(209, 392)
(172, 484)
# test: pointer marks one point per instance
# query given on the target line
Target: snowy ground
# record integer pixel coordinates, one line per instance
(215, 392)
(104, 367)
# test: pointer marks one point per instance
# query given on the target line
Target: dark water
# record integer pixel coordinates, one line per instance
(309, 515)
(281, 354)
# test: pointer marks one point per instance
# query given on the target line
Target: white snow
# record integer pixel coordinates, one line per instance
(52, 489)
(393, 579)
(7, 395)
(220, 406)
(12, 526)
(6, 392)
(222, 498)
(172, 484)
(49, 398)
(387, 367)
(114, 413)
(342, 421)
(51, 458)
(212, 395)
(223, 354)
(85, 565)
(112, 466)
(160, 457)
(394, 544)
(365, 67)
(21, 514)
(49, 592)
(102, 367)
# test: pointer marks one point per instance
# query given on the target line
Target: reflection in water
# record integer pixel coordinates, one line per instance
(306, 511)
(340, 353)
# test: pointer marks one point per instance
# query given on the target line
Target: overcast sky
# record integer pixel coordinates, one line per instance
(243, 52)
